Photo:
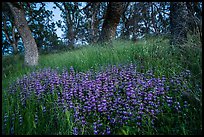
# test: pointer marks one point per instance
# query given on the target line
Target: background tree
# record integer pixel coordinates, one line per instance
(92, 11)
(40, 20)
(162, 17)
(112, 18)
(178, 23)
(90, 22)
(31, 51)
(141, 19)
(194, 18)
(131, 22)
(72, 20)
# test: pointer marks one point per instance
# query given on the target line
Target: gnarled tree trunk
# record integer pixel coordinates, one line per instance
(112, 18)
(31, 51)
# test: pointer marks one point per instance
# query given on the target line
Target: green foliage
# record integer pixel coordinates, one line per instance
(151, 53)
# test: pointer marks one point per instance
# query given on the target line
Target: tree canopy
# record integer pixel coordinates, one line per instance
(86, 22)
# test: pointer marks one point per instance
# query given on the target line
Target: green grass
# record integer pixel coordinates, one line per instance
(152, 53)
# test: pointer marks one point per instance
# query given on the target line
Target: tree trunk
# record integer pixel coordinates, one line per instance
(71, 35)
(178, 23)
(31, 51)
(70, 25)
(95, 8)
(113, 14)
(125, 30)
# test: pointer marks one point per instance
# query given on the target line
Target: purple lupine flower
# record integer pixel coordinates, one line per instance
(5, 119)
(75, 131)
(20, 120)
(108, 131)
(139, 117)
(177, 106)
(152, 111)
(95, 128)
(12, 124)
(117, 95)
(112, 120)
(39, 88)
(125, 118)
(185, 104)
(141, 106)
(139, 124)
(36, 119)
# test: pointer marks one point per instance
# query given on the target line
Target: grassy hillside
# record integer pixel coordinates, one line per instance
(151, 54)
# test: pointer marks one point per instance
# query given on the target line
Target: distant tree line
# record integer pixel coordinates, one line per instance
(30, 25)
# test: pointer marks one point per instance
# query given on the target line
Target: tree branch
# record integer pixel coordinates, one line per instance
(160, 10)
(60, 7)
(6, 32)
(89, 4)
(35, 16)
(13, 33)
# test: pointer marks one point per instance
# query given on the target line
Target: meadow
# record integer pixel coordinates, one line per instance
(142, 88)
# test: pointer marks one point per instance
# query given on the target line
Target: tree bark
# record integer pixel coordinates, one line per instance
(178, 23)
(31, 51)
(70, 25)
(15, 41)
(95, 7)
(113, 14)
